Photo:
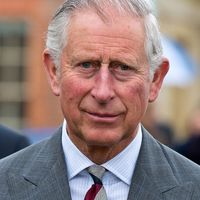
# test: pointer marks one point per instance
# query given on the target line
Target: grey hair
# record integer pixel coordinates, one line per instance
(57, 30)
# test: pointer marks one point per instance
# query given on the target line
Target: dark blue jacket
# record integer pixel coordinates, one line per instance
(11, 141)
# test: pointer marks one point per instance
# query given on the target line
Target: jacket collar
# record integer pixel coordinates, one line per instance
(45, 175)
(154, 178)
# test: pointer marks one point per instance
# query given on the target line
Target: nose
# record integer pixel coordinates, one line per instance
(103, 90)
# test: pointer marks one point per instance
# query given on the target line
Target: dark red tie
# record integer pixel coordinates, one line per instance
(97, 191)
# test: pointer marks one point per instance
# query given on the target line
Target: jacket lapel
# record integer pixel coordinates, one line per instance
(142, 188)
(45, 177)
(153, 178)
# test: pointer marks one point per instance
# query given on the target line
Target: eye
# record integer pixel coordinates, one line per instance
(124, 67)
(120, 67)
(86, 65)
(87, 68)
(122, 71)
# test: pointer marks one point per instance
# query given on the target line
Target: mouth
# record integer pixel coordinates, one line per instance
(103, 114)
(103, 117)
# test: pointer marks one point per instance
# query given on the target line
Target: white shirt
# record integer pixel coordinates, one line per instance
(116, 180)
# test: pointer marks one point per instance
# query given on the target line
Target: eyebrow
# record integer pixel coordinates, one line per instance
(86, 56)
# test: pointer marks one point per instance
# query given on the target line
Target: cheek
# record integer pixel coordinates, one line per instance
(70, 98)
(73, 90)
(69, 92)
(137, 97)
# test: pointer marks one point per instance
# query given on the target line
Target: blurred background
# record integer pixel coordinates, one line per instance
(27, 104)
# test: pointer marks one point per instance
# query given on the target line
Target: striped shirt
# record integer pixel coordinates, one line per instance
(116, 180)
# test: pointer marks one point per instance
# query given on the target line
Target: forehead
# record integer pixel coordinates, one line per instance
(89, 20)
(88, 30)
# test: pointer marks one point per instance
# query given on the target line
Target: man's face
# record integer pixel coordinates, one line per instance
(104, 84)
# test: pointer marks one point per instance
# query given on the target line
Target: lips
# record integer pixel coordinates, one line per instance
(102, 117)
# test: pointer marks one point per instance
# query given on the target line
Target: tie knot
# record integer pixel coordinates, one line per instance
(96, 171)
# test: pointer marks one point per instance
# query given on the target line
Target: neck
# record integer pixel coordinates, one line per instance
(101, 154)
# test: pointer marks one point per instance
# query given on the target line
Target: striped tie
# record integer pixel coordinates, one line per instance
(97, 191)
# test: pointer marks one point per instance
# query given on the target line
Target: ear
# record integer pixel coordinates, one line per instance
(158, 78)
(51, 70)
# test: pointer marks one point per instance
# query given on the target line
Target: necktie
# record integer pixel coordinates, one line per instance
(97, 191)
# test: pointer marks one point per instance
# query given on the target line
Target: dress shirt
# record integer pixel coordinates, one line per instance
(117, 178)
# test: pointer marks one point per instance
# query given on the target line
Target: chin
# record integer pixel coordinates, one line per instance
(105, 139)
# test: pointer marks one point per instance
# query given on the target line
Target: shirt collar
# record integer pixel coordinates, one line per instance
(123, 164)
(76, 161)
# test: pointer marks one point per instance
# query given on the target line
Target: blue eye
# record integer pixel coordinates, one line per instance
(119, 66)
(87, 68)
(86, 65)
(124, 67)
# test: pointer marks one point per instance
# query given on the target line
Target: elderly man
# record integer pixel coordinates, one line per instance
(104, 62)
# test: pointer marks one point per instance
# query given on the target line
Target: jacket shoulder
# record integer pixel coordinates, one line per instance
(18, 159)
(182, 167)
(161, 161)
(25, 157)
(14, 164)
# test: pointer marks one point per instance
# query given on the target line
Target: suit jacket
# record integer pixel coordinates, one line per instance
(11, 142)
(39, 172)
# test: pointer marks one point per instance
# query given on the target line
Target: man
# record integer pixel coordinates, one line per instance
(104, 62)
(11, 142)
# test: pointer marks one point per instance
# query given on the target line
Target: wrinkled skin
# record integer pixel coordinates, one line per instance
(104, 84)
